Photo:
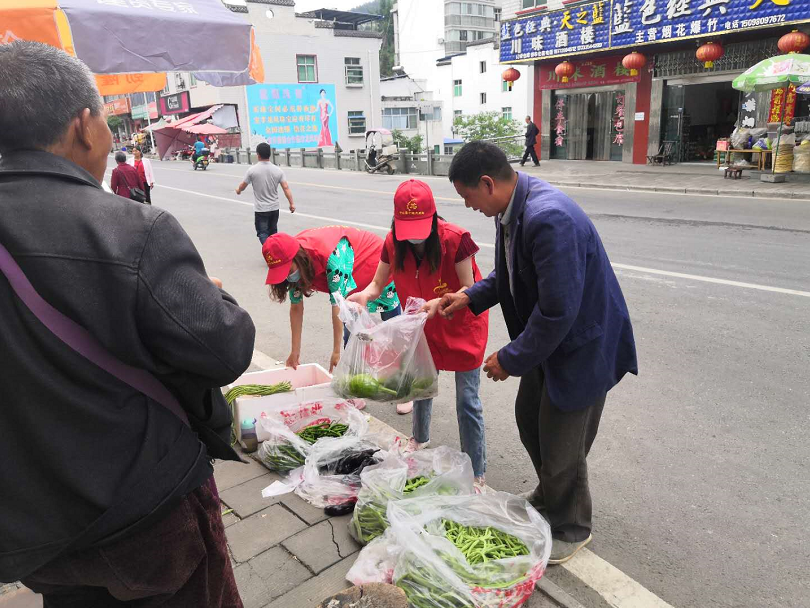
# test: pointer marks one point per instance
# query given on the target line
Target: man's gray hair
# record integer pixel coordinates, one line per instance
(42, 89)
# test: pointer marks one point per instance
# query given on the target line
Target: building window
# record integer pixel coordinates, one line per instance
(180, 81)
(456, 114)
(354, 71)
(462, 35)
(192, 80)
(497, 14)
(505, 86)
(400, 118)
(437, 113)
(534, 3)
(357, 123)
(456, 88)
(483, 99)
(307, 68)
(506, 113)
(483, 66)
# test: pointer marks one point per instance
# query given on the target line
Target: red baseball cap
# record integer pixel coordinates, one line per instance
(414, 209)
(278, 251)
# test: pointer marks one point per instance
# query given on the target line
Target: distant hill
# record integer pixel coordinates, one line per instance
(382, 7)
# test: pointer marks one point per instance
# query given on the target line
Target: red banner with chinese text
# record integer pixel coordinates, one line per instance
(589, 73)
(778, 99)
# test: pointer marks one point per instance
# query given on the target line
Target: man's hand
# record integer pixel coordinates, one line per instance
(292, 207)
(334, 361)
(152, 185)
(452, 303)
(431, 308)
(216, 281)
(293, 360)
(493, 368)
(238, 191)
(360, 298)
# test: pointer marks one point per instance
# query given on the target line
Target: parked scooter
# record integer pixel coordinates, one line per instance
(201, 162)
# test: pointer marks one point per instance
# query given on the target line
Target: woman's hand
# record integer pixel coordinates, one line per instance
(360, 298)
(334, 361)
(294, 360)
(431, 308)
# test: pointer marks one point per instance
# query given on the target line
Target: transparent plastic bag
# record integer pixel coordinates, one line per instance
(376, 562)
(443, 471)
(330, 475)
(435, 574)
(282, 447)
(387, 361)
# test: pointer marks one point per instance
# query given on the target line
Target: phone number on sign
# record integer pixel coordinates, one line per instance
(762, 21)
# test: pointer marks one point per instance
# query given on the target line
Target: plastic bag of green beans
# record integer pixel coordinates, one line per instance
(477, 551)
(442, 471)
(289, 437)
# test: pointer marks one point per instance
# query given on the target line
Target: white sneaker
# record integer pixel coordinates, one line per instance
(480, 485)
(405, 408)
(414, 445)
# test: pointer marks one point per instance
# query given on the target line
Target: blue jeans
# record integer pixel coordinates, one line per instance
(383, 315)
(470, 414)
(266, 224)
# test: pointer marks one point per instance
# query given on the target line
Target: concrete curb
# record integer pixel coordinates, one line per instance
(697, 191)
(556, 594)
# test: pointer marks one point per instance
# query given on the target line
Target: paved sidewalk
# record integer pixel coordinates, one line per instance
(685, 178)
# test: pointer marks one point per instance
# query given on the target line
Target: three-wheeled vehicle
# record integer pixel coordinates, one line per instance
(381, 152)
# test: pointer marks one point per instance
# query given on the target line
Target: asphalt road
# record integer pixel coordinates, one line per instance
(700, 470)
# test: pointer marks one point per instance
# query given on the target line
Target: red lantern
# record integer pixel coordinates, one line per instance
(564, 70)
(634, 62)
(794, 42)
(709, 53)
(510, 76)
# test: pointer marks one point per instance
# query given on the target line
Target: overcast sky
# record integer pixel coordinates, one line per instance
(309, 5)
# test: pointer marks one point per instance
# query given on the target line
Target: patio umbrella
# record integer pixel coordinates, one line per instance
(117, 37)
(775, 73)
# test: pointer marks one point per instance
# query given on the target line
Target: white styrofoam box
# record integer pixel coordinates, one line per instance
(310, 382)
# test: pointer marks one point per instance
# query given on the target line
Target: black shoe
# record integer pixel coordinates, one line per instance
(533, 497)
(521, 164)
(536, 164)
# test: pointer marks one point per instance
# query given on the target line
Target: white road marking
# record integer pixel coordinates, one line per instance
(655, 271)
(618, 589)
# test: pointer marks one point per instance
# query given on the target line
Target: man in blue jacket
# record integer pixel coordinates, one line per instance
(571, 335)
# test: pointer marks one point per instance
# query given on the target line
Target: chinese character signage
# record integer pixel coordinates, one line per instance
(637, 22)
(117, 107)
(581, 29)
(783, 105)
(632, 23)
(176, 103)
(589, 73)
(293, 115)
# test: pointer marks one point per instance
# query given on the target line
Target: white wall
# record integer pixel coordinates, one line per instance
(510, 7)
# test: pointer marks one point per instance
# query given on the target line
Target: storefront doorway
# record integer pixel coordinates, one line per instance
(587, 124)
(696, 115)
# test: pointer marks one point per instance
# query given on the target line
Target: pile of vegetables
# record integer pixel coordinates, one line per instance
(481, 548)
(286, 457)
(395, 388)
(253, 390)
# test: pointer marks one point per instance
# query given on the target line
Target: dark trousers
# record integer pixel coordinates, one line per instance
(148, 192)
(266, 224)
(558, 443)
(529, 151)
(179, 562)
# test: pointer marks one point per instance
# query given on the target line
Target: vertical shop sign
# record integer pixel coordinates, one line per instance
(618, 120)
(748, 111)
(638, 22)
(560, 122)
(581, 29)
(781, 101)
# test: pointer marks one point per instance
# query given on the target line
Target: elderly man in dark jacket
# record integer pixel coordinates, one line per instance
(531, 141)
(107, 495)
(571, 337)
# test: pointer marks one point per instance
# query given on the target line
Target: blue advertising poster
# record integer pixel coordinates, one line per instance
(293, 115)
(581, 29)
(638, 22)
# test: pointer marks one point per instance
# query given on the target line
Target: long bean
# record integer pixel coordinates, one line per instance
(311, 434)
(481, 545)
(257, 389)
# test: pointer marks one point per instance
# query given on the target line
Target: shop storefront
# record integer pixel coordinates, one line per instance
(592, 104)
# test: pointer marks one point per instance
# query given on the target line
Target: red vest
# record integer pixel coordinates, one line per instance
(319, 243)
(457, 345)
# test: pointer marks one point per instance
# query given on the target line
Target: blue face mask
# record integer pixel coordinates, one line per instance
(293, 277)
(416, 241)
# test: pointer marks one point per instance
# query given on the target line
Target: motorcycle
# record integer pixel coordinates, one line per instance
(381, 152)
(201, 161)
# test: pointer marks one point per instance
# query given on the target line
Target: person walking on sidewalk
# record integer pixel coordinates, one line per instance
(265, 177)
(531, 140)
(332, 259)
(428, 258)
(124, 177)
(144, 168)
(572, 340)
(108, 491)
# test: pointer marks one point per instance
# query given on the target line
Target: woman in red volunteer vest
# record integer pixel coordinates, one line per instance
(428, 258)
(332, 259)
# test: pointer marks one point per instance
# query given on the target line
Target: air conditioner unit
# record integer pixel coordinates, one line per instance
(441, 40)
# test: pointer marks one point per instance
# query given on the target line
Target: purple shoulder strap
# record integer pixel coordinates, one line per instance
(81, 341)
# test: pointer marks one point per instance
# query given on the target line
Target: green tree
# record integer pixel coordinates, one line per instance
(491, 125)
(114, 122)
(412, 144)
(386, 27)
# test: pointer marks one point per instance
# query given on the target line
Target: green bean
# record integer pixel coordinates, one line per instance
(252, 389)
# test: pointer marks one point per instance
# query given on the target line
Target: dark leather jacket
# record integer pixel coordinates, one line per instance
(83, 457)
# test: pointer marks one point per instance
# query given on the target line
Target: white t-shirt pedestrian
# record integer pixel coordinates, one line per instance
(265, 178)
